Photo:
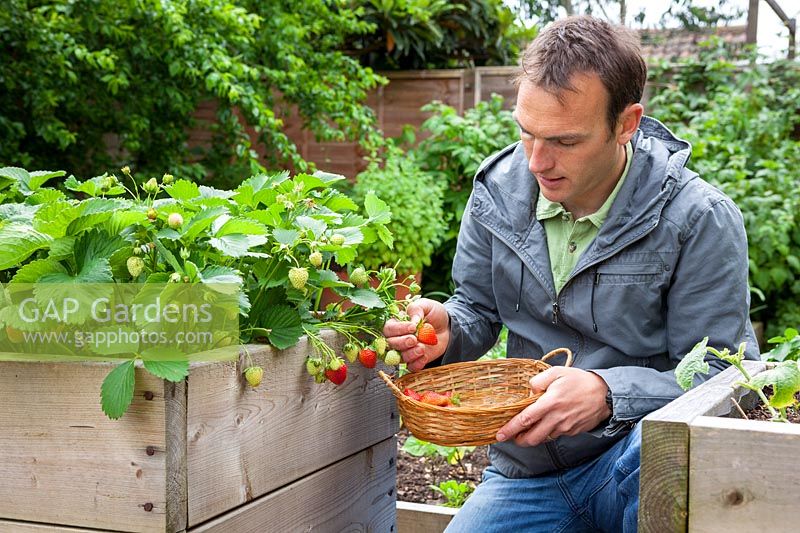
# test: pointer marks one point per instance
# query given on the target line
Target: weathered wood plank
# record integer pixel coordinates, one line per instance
(354, 494)
(421, 518)
(8, 526)
(64, 462)
(244, 443)
(177, 504)
(742, 476)
(664, 476)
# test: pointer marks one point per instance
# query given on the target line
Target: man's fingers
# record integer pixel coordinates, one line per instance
(396, 328)
(544, 379)
(402, 342)
(524, 421)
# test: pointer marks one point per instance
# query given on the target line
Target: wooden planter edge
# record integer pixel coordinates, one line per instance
(664, 474)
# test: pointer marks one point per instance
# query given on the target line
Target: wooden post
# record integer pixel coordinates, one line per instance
(752, 22)
(664, 475)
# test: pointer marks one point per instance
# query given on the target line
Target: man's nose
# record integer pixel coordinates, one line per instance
(540, 160)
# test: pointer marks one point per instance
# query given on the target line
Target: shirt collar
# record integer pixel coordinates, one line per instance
(546, 209)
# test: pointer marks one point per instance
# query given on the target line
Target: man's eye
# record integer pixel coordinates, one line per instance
(567, 143)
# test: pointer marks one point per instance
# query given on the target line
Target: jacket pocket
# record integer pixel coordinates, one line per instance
(627, 273)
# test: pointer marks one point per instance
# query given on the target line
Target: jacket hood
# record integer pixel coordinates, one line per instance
(506, 191)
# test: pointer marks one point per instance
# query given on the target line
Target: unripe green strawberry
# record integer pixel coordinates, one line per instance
(175, 220)
(253, 375)
(313, 365)
(152, 214)
(393, 358)
(151, 187)
(135, 266)
(166, 179)
(298, 277)
(380, 345)
(184, 253)
(350, 351)
(126, 170)
(414, 287)
(315, 258)
(337, 239)
(359, 277)
(175, 277)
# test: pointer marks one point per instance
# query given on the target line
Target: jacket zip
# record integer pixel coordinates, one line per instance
(555, 313)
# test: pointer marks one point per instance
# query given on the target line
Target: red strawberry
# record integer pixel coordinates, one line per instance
(434, 398)
(411, 393)
(338, 375)
(426, 334)
(368, 357)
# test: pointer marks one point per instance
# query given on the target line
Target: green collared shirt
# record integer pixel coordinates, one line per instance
(568, 238)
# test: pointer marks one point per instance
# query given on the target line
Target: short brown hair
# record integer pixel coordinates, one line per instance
(580, 44)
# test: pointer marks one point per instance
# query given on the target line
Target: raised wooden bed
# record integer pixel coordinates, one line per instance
(209, 454)
(706, 469)
(423, 518)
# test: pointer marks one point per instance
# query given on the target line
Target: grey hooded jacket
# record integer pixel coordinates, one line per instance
(667, 268)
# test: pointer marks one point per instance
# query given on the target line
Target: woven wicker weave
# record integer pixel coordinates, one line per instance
(491, 393)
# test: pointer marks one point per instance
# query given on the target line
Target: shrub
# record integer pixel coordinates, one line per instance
(742, 121)
(451, 154)
(415, 200)
(80, 77)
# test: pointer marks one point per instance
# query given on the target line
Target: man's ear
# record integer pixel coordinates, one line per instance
(628, 122)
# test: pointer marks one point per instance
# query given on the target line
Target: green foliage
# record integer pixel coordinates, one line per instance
(419, 448)
(414, 198)
(788, 348)
(455, 493)
(498, 351)
(743, 124)
(784, 377)
(425, 34)
(178, 232)
(451, 153)
(81, 77)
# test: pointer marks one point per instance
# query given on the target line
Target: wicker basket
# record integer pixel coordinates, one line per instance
(491, 393)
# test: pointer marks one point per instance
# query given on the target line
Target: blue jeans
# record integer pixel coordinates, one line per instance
(600, 495)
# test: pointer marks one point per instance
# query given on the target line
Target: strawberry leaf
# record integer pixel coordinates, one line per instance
(18, 242)
(116, 393)
(365, 298)
(284, 324)
(183, 190)
(377, 210)
(691, 364)
(174, 371)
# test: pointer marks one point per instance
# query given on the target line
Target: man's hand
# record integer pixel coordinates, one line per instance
(574, 401)
(401, 335)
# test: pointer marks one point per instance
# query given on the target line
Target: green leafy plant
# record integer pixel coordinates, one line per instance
(419, 448)
(784, 377)
(742, 116)
(451, 150)
(274, 237)
(424, 34)
(146, 68)
(415, 201)
(455, 493)
(787, 349)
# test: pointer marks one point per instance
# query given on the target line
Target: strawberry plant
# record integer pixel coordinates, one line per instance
(784, 377)
(273, 239)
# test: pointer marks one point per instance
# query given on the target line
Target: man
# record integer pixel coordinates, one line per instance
(591, 234)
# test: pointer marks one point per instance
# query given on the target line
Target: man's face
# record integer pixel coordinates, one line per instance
(571, 152)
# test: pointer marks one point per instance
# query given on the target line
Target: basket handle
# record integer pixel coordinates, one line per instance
(567, 351)
(389, 382)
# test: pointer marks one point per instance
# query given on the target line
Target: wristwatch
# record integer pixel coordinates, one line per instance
(610, 402)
